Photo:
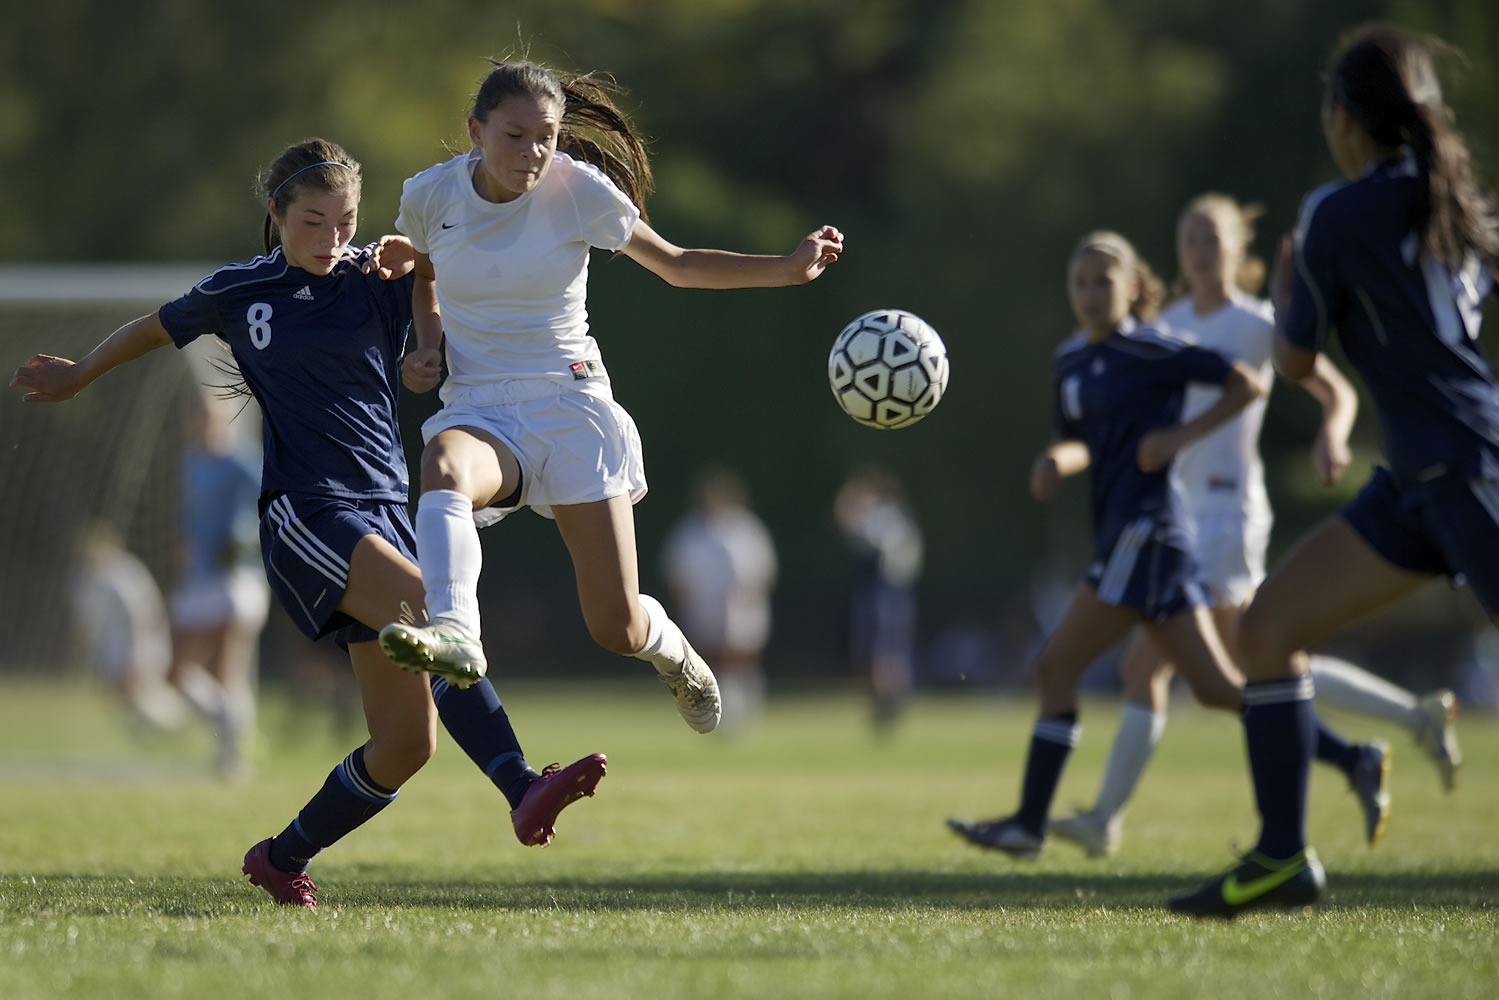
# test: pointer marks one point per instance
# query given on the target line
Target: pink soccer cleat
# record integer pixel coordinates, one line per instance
(557, 788)
(287, 888)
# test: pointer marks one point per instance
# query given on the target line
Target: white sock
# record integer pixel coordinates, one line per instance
(664, 646)
(1140, 729)
(447, 547)
(202, 691)
(1353, 689)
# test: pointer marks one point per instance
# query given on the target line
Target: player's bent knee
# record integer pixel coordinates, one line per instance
(1260, 643)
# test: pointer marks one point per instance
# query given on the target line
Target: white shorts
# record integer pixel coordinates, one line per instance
(238, 596)
(1231, 554)
(574, 443)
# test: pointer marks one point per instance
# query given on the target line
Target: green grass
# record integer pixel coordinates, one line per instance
(803, 859)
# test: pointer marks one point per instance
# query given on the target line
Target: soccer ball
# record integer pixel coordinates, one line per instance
(888, 369)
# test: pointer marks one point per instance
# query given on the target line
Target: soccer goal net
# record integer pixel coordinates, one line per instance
(106, 462)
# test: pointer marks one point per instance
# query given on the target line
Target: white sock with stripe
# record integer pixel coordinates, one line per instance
(447, 547)
(1140, 729)
(1353, 689)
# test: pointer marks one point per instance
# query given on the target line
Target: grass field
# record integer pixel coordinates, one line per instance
(805, 859)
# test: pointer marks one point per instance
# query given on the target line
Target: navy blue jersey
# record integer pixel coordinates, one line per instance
(322, 356)
(1112, 393)
(1407, 323)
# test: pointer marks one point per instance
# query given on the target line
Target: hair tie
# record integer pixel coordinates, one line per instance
(320, 163)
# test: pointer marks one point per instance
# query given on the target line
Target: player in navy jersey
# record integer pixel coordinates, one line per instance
(316, 327)
(1118, 411)
(1396, 259)
(503, 234)
(1222, 483)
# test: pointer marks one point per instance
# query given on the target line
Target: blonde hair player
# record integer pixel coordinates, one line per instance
(1222, 484)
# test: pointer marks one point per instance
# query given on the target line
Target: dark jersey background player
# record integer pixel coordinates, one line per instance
(1396, 260)
(316, 328)
(1118, 411)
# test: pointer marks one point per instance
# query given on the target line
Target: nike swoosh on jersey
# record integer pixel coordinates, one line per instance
(1235, 894)
(449, 225)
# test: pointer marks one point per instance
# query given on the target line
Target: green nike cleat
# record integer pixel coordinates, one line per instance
(1257, 882)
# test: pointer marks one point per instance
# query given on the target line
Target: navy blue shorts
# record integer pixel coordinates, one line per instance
(1139, 571)
(306, 541)
(1448, 527)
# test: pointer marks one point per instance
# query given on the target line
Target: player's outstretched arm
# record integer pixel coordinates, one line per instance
(49, 379)
(1240, 388)
(726, 269)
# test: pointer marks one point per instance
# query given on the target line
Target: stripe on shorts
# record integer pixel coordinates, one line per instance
(1121, 565)
(305, 544)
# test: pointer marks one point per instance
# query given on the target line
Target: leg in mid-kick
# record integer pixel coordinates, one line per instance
(463, 469)
(384, 579)
(600, 538)
(1088, 628)
(1330, 580)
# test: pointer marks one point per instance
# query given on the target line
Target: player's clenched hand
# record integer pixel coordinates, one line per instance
(819, 249)
(1045, 478)
(392, 257)
(421, 370)
(46, 379)
(1331, 455)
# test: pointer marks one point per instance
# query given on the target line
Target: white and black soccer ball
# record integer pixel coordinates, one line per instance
(888, 369)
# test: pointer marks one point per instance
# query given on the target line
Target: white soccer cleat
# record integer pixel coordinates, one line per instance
(1438, 734)
(1099, 839)
(696, 691)
(441, 649)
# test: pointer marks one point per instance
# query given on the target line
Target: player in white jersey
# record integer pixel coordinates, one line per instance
(503, 235)
(1221, 482)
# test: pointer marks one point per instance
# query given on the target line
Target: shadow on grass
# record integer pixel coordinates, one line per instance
(726, 891)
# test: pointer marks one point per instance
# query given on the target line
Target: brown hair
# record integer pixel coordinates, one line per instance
(592, 128)
(310, 165)
(1225, 210)
(1147, 301)
(1385, 78)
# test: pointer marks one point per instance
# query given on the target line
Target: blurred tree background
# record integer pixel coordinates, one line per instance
(961, 145)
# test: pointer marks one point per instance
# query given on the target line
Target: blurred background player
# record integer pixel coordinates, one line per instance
(1397, 258)
(720, 566)
(885, 539)
(221, 599)
(1221, 479)
(1120, 389)
(122, 625)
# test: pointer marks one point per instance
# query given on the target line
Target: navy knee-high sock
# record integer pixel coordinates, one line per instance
(1051, 741)
(1280, 729)
(476, 720)
(347, 799)
(1333, 749)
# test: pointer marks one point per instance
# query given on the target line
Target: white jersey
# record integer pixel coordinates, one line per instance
(721, 567)
(512, 277)
(1222, 472)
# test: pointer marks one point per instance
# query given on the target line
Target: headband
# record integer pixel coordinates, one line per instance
(320, 163)
(1110, 246)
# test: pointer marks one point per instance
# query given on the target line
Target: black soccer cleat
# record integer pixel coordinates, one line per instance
(1257, 882)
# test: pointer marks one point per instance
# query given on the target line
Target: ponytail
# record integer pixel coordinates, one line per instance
(1385, 78)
